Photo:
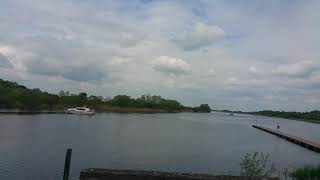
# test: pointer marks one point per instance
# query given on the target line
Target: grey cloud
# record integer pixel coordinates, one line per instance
(89, 73)
(211, 73)
(299, 69)
(306, 83)
(200, 36)
(129, 39)
(315, 82)
(83, 73)
(45, 67)
(4, 62)
(70, 59)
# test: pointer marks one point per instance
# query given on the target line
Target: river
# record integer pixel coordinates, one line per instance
(33, 146)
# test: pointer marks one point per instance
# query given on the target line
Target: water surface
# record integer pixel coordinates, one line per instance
(33, 146)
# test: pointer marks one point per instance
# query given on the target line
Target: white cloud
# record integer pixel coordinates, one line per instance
(171, 66)
(253, 70)
(200, 35)
(299, 69)
(233, 81)
(7, 50)
(116, 61)
(247, 83)
(211, 73)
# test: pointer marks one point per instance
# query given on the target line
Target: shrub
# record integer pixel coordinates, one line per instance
(257, 164)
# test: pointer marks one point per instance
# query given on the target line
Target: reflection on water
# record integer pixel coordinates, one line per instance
(33, 146)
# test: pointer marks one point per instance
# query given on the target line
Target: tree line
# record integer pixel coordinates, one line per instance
(13, 95)
(312, 116)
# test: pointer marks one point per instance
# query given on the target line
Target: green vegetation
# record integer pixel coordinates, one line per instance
(202, 108)
(13, 95)
(307, 172)
(310, 116)
(257, 165)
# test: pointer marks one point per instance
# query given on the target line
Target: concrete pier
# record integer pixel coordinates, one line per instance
(108, 174)
(299, 141)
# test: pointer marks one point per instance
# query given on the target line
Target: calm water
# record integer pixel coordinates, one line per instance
(33, 146)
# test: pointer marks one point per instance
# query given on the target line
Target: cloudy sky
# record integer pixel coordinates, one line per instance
(239, 55)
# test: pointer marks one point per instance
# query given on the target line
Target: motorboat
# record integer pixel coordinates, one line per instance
(81, 110)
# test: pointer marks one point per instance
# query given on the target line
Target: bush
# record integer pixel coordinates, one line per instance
(257, 165)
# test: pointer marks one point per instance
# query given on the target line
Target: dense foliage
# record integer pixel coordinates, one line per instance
(202, 108)
(13, 95)
(146, 101)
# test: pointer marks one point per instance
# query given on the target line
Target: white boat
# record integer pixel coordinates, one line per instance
(81, 110)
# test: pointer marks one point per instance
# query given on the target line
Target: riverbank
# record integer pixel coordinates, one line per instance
(105, 109)
(139, 110)
(295, 119)
(18, 111)
(276, 114)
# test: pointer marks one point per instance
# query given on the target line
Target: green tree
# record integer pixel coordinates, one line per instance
(202, 108)
(121, 101)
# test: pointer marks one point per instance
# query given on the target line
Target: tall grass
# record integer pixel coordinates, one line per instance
(307, 173)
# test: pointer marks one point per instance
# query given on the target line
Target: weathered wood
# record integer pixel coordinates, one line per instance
(67, 164)
(108, 174)
(299, 141)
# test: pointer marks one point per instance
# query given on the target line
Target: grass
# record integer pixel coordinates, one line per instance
(307, 172)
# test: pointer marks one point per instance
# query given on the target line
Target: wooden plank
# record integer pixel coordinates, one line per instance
(109, 174)
(294, 139)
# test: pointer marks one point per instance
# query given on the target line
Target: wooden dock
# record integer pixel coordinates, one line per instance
(109, 174)
(299, 141)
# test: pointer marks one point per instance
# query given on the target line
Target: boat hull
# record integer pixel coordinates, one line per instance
(81, 112)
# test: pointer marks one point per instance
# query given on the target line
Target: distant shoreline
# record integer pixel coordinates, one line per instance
(295, 119)
(26, 100)
(264, 115)
(105, 110)
(139, 110)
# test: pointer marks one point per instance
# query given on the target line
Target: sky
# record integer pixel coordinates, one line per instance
(238, 55)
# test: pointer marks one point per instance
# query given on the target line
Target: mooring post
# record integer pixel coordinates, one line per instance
(67, 165)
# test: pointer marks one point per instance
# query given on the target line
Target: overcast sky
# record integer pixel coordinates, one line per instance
(238, 55)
